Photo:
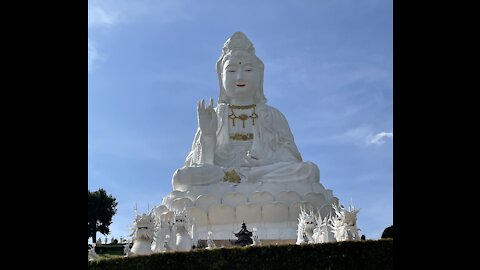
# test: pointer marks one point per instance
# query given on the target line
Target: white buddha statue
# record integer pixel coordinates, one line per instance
(244, 164)
(242, 136)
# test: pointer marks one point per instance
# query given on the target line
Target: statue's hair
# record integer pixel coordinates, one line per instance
(238, 42)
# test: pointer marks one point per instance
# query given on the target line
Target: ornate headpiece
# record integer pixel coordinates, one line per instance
(143, 227)
(180, 213)
(238, 42)
(144, 221)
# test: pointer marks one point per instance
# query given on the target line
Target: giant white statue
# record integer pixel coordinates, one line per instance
(244, 164)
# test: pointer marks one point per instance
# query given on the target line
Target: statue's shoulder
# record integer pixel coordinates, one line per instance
(271, 110)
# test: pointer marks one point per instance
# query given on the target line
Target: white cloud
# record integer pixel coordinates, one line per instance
(359, 136)
(106, 13)
(92, 55)
(99, 17)
(379, 138)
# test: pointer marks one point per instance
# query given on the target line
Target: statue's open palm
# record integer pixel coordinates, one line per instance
(207, 118)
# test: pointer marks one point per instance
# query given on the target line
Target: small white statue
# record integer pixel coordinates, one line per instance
(306, 225)
(158, 238)
(321, 234)
(92, 255)
(143, 232)
(256, 241)
(126, 250)
(182, 230)
(210, 243)
(344, 224)
(194, 233)
(166, 246)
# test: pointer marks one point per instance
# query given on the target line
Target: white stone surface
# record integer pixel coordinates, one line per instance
(221, 214)
(249, 213)
(205, 201)
(315, 198)
(199, 214)
(234, 199)
(260, 197)
(287, 197)
(180, 203)
(274, 212)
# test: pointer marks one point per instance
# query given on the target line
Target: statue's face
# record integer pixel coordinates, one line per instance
(309, 223)
(180, 221)
(241, 77)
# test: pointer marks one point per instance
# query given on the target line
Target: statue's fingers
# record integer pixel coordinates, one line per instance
(212, 110)
(203, 104)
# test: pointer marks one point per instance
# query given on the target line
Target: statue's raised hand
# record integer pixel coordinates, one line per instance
(207, 118)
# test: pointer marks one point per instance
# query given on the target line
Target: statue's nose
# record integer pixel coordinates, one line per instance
(239, 74)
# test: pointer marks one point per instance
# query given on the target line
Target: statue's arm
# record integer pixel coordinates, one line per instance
(203, 147)
(208, 143)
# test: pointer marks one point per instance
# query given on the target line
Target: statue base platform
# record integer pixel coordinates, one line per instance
(272, 208)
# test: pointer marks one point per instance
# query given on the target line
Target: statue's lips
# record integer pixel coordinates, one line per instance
(241, 85)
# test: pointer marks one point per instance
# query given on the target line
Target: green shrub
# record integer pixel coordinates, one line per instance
(388, 232)
(343, 255)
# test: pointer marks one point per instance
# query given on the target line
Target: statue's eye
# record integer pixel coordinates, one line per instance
(231, 70)
(248, 69)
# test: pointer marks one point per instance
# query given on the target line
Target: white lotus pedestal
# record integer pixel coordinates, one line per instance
(272, 208)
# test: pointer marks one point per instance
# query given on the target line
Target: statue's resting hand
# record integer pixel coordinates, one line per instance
(252, 159)
(207, 118)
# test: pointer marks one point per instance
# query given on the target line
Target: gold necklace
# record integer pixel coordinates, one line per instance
(243, 116)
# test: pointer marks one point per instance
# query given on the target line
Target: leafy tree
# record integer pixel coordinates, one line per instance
(101, 209)
(388, 232)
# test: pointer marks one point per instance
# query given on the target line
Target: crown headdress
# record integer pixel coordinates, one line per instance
(144, 221)
(238, 41)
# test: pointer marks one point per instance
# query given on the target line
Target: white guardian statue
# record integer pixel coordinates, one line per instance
(323, 233)
(126, 250)
(92, 255)
(244, 163)
(256, 241)
(306, 224)
(210, 242)
(183, 230)
(344, 224)
(142, 233)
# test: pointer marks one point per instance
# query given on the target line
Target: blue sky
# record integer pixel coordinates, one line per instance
(328, 69)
